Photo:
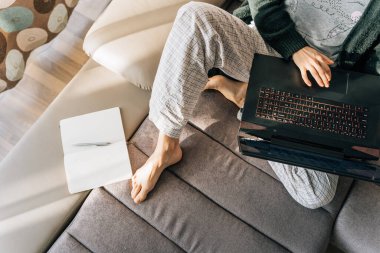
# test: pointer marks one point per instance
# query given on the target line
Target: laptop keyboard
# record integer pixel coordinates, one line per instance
(315, 113)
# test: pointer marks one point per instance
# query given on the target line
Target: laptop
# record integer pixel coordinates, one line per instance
(335, 129)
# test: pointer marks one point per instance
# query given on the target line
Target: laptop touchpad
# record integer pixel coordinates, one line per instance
(338, 83)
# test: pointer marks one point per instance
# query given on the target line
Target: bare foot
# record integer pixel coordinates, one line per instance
(233, 90)
(167, 152)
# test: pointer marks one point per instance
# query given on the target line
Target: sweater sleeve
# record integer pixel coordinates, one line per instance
(276, 27)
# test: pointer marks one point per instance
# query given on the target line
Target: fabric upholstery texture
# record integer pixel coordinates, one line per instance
(117, 229)
(67, 243)
(175, 212)
(357, 228)
(213, 200)
(24, 26)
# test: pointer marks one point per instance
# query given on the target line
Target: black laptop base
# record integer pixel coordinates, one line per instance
(275, 135)
(351, 168)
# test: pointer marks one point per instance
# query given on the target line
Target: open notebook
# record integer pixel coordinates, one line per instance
(95, 150)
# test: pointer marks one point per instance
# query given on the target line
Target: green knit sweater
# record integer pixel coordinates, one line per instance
(360, 50)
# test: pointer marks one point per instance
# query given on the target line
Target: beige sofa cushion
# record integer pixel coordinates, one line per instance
(130, 35)
(34, 200)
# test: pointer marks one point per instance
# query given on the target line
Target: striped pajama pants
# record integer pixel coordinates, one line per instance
(204, 37)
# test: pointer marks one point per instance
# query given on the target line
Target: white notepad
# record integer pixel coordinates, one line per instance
(95, 150)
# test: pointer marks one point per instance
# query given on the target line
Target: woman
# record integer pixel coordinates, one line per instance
(205, 37)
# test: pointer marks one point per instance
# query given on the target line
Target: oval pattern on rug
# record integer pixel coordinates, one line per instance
(31, 38)
(15, 19)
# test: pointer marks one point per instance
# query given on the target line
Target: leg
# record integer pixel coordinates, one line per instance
(203, 36)
(310, 188)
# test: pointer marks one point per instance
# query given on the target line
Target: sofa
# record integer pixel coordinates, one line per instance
(213, 200)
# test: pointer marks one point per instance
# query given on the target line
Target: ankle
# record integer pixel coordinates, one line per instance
(166, 143)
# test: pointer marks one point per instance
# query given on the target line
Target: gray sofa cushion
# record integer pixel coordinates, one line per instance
(106, 225)
(213, 200)
(216, 116)
(67, 243)
(194, 222)
(175, 218)
(103, 224)
(357, 227)
(243, 190)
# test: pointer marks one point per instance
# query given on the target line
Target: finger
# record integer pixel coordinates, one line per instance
(327, 59)
(134, 182)
(311, 52)
(305, 77)
(327, 70)
(321, 73)
(316, 76)
(320, 57)
(135, 191)
(328, 78)
(323, 58)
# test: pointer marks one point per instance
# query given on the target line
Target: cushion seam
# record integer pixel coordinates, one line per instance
(228, 148)
(233, 152)
(120, 202)
(217, 204)
(72, 216)
(136, 130)
(77, 240)
(228, 211)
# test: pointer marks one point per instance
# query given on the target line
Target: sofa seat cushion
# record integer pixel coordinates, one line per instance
(214, 194)
(130, 35)
(176, 218)
(357, 227)
(67, 243)
(104, 224)
(34, 200)
(243, 190)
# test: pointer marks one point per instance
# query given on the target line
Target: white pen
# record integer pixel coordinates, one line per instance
(92, 144)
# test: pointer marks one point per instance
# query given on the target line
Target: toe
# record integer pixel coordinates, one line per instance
(135, 190)
(141, 196)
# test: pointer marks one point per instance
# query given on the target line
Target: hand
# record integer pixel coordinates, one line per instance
(309, 59)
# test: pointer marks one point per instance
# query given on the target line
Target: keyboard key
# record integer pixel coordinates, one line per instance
(315, 113)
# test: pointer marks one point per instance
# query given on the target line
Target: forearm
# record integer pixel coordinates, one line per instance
(276, 27)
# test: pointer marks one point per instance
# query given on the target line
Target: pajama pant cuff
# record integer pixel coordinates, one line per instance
(165, 126)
